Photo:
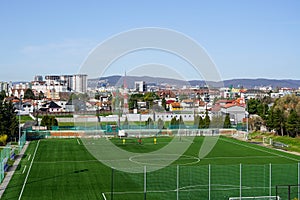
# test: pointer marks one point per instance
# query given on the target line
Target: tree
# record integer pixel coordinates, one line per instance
(160, 123)
(227, 123)
(49, 121)
(259, 107)
(41, 95)
(2, 95)
(164, 103)
(126, 123)
(279, 121)
(134, 98)
(201, 123)
(29, 94)
(8, 121)
(174, 123)
(292, 124)
(149, 122)
(255, 122)
(270, 119)
(181, 122)
(206, 120)
(251, 106)
(149, 97)
(3, 139)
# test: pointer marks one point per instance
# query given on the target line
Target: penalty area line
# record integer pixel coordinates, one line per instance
(78, 142)
(103, 195)
(24, 169)
(37, 146)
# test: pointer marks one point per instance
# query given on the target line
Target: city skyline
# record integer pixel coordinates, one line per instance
(257, 39)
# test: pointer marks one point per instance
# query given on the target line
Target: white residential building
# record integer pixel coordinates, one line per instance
(63, 83)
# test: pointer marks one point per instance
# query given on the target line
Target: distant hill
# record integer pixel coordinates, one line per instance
(246, 83)
(252, 83)
(118, 80)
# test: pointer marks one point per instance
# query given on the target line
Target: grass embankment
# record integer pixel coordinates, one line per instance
(24, 118)
(293, 143)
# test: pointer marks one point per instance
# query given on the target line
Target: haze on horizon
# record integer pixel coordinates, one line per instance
(253, 39)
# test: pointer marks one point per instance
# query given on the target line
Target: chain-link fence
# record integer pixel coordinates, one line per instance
(244, 181)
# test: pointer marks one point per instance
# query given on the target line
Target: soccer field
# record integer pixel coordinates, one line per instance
(64, 169)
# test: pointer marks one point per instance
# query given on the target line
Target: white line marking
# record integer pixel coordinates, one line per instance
(29, 170)
(78, 142)
(24, 169)
(29, 157)
(238, 157)
(251, 147)
(66, 161)
(103, 196)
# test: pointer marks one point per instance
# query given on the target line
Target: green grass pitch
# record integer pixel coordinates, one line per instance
(64, 169)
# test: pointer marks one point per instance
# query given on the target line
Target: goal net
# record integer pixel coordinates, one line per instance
(256, 198)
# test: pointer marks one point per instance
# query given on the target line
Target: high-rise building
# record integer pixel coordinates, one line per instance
(79, 83)
(4, 86)
(140, 86)
(38, 78)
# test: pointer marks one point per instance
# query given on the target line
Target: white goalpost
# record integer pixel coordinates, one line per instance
(256, 198)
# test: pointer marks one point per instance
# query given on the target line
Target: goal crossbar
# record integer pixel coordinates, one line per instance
(256, 197)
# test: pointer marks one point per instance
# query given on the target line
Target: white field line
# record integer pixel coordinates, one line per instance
(29, 157)
(64, 161)
(24, 169)
(238, 157)
(36, 148)
(192, 188)
(251, 147)
(104, 197)
(78, 142)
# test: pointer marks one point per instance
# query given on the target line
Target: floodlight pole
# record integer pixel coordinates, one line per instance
(247, 116)
(20, 104)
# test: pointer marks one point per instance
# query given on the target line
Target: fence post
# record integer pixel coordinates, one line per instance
(276, 191)
(112, 184)
(289, 192)
(177, 184)
(209, 182)
(270, 182)
(240, 180)
(145, 182)
(299, 180)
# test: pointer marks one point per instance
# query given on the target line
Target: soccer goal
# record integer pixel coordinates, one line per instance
(256, 198)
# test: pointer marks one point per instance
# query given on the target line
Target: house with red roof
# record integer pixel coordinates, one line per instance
(235, 108)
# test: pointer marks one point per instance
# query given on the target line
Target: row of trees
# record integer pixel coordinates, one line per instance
(199, 122)
(283, 116)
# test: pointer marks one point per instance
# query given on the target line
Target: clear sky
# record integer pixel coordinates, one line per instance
(245, 39)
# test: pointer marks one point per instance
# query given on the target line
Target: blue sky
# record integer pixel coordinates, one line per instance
(245, 39)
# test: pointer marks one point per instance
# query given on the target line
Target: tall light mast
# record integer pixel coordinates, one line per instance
(125, 94)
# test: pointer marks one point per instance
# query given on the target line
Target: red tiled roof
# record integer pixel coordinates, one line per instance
(224, 101)
(170, 101)
(231, 105)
